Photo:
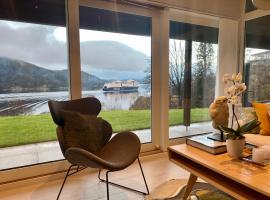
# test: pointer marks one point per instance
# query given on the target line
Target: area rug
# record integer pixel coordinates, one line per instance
(174, 190)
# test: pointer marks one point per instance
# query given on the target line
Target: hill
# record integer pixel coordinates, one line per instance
(20, 76)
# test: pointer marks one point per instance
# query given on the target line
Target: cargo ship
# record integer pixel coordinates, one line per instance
(121, 86)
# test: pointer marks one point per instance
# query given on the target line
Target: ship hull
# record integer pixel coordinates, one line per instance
(120, 89)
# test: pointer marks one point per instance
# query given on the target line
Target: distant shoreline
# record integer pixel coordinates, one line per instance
(33, 103)
(12, 91)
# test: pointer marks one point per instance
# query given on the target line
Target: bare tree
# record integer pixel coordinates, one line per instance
(203, 78)
(176, 68)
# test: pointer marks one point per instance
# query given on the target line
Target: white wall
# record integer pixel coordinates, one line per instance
(228, 52)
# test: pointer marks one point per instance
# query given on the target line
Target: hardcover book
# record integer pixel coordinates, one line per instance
(211, 146)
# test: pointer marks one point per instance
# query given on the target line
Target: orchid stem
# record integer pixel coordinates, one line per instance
(234, 116)
(232, 120)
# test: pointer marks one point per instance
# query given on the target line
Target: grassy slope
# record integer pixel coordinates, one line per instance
(20, 130)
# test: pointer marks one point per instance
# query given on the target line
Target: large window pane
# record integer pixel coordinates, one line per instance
(192, 75)
(257, 60)
(33, 69)
(116, 67)
(204, 57)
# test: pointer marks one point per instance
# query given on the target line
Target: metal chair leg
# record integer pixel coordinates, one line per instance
(124, 187)
(99, 174)
(107, 185)
(143, 176)
(64, 181)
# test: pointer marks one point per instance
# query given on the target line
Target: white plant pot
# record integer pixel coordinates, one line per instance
(235, 147)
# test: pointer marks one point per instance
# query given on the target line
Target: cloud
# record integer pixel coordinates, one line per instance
(112, 55)
(37, 44)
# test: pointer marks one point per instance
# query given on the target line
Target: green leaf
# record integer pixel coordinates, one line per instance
(226, 129)
(249, 126)
(231, 136)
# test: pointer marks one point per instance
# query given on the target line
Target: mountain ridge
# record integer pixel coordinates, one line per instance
(20, 76)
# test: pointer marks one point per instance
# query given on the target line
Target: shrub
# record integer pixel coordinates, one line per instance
(142, 103)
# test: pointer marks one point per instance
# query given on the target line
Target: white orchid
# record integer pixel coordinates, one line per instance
(235, 88)
(238, 77)
(226, 78)
(233, 91)
(234, 100)
(233, 76)
(243, 87)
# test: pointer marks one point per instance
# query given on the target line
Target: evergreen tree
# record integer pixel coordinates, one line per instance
(203, 77)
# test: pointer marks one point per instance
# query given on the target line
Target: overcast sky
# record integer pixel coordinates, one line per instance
(106, 55)
(46, 47)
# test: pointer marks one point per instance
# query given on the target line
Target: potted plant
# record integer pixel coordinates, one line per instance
(235, 139)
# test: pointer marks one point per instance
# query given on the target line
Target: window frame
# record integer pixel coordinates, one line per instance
(153, 13)
(160, 91)
(247, 16)
(73, 47)
(196, 19)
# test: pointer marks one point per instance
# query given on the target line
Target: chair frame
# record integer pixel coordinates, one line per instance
(92, 106)
(104, 180)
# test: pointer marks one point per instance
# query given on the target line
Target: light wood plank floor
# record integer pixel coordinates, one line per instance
(85, 184)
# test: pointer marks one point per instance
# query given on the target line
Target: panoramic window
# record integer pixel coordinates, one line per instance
(192, 75)
(116, 67)
(257, 60)
(33, 69)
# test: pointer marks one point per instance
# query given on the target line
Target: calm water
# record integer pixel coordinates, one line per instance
(36, 103)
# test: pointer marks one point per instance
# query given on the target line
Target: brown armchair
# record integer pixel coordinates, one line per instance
(117, 153)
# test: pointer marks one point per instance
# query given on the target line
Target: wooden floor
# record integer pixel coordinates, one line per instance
(85, 184)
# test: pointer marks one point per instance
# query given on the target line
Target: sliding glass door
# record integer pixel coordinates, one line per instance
(116, 64)
(123, 53)
(33, 69)
(257, 60)
(192, 74)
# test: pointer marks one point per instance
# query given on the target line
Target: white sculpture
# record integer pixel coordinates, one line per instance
(219, 112)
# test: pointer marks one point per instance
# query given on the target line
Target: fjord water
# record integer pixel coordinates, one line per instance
(36, 103)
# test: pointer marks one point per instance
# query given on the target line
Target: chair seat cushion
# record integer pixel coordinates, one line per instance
(121, 151)
(84, 131)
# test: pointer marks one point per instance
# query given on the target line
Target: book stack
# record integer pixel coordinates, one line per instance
(208, 145)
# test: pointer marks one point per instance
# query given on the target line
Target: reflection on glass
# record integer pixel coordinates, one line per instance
(257, 75)
(116, 68)
(202, 83)
(33, 69)
(203, 80)
(176, 81)
(118, 100)
(257, 60)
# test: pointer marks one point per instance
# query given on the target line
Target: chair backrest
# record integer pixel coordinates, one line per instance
(88, 106)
